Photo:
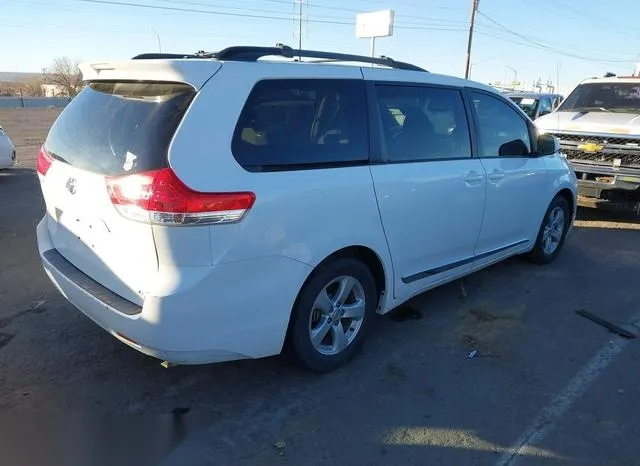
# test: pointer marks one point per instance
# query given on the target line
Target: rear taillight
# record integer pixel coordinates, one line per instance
(159, 197)
(44, 161)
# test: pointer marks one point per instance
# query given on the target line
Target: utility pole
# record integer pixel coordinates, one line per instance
(474, 8)
(299, 17)
(300, 32)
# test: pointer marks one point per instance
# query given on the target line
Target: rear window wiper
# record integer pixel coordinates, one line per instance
(59, 158)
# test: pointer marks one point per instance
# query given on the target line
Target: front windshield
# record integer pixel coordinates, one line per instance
(604, 97)
(527, 104)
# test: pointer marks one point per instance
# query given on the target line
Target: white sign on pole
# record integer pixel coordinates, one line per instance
(375, 24)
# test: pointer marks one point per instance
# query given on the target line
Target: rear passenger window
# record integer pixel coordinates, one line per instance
(423, 123)
(302, 123)
(501, 130)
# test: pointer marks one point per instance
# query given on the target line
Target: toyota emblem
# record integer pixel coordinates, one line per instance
(71, 185)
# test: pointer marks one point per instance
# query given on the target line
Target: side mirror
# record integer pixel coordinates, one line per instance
(513, 148)
(544, 112)
(548, 144)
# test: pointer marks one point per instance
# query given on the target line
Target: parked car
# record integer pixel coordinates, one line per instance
(7, 150)
(599, 130)
(535, 104)
(212, 207)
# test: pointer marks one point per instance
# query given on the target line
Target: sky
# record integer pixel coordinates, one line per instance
(514, 39)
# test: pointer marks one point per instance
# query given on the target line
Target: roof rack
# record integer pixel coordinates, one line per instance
(248, 53)
(162, 56)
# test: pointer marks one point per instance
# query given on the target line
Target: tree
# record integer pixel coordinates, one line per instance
(65, 73)
(32, 87)
(7, 89)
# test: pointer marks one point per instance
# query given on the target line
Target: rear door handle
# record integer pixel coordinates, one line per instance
(496, 175)
(473, 178)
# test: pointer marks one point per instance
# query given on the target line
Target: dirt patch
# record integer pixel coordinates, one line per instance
(480, 327)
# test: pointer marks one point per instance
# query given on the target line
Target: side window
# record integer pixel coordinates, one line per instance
(299, 123)
(501, 130)
(545, 106)
(557, 101)
(423, 123)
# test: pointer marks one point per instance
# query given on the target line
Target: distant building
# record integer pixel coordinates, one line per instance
(53, 90)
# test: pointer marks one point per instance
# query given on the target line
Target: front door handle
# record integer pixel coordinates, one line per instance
(496, 175)
(473, 178)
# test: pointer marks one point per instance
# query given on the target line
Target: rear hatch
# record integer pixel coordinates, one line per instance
(112, 130)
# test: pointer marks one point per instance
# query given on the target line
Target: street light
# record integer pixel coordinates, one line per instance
(471, 65)
(157, 38)
(515, 73)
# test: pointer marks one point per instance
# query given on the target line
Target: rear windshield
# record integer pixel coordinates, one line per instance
(116, 128)
(604, 97)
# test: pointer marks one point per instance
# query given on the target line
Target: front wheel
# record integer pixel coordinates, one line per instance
(331, 315)
(553, 232)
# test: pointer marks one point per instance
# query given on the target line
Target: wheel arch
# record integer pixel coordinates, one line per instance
(367, 256)
(568, 195)
(363, 253)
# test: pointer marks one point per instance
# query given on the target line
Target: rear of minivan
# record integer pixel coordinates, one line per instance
(126, 239)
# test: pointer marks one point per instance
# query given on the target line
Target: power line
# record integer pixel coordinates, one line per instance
(451, 25)
(438, 23)
(533, 46)
(524, 40)
(509, 38)
(406, 4)
(545, 46)
(246, 15)
(213, 5)
(310, 5)
(417, 26)
(581, 15)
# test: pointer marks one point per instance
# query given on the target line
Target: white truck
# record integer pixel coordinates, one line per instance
(598, 126)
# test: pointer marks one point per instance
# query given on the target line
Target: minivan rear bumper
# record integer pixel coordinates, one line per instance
(195, 315)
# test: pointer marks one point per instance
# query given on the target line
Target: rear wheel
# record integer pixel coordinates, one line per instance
(331, 315)
(553, 232)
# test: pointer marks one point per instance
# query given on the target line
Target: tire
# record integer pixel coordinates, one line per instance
(548, 244)
(319, 307)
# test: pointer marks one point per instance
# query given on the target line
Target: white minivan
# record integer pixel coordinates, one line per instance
(213, 207)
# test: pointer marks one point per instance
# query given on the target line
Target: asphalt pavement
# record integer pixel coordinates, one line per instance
(544, 386)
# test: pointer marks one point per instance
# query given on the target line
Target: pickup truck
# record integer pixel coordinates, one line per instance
(598, 126)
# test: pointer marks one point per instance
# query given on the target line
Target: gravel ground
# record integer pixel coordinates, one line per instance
(546, 386)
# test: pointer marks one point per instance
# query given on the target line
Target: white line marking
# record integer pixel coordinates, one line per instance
(548, 418)
(451, 438)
